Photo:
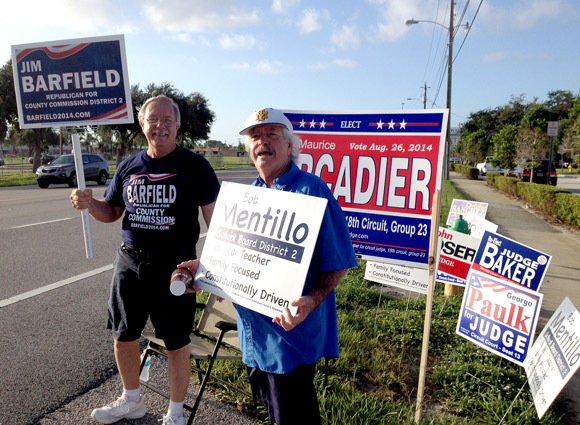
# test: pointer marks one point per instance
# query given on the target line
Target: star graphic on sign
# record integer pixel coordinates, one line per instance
(312, 124)
(322, 123)
(391, 125)
(403, 124)
(302, 123)
(380, 125)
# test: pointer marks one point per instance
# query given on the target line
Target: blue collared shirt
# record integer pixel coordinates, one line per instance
(268, 346)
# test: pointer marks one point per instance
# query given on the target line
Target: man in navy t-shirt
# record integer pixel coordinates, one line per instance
(158, 192)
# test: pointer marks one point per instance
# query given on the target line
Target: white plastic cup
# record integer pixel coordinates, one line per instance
(181, 279)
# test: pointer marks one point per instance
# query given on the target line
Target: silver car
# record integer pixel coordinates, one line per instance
(62, 170)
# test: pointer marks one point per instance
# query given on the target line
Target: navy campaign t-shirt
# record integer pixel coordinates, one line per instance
(162, 197)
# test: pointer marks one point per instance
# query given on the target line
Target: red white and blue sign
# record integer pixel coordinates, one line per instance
(383, 167)
(509, 260)
(499, 316)
(72, 83)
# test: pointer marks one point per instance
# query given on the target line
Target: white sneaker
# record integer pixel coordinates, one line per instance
(174, 420)
(119, 409)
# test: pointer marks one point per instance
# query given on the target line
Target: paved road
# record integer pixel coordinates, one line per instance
(54, 347)
(519, 222)
(570, 182)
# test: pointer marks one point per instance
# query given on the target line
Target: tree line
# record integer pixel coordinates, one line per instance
(196, 121)
(517, 131)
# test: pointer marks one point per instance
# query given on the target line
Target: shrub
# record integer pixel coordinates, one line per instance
(540, 195)
(568, 208)
(492, 179)
(507, 184)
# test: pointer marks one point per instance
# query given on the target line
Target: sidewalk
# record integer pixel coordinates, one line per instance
(520, 223)
(211, 411)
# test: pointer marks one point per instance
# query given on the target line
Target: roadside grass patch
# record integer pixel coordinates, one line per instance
(375, 379)
(16, 179)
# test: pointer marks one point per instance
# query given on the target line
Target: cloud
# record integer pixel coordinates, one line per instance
(282, 6)
(345, 37)
(495, 57)
(262, 67)
(239, 67)
(336, 63)
(69, 15)
(525, 15)
(237, 42)
(201, 16)
(312, 20)
(517, 57)
(392, 17)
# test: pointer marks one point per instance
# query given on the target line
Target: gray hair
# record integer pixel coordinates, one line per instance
(289, 137)
(160, 98)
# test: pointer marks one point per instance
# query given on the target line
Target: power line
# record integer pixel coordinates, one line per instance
(468, 30)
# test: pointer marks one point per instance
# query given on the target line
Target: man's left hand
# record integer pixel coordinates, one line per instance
(305, 306)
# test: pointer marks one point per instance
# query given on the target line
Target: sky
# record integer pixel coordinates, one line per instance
(328, 55)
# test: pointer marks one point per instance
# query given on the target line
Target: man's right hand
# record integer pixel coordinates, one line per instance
(80, 200)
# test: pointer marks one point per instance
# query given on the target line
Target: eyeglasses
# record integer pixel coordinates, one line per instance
(168, 122)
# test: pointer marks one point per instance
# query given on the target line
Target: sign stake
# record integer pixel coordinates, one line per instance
(78, 155)
(435, 212)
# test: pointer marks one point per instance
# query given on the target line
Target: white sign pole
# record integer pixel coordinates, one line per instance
(435, 211)
(78, 155)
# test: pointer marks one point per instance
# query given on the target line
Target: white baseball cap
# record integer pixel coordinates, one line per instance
(266, 116)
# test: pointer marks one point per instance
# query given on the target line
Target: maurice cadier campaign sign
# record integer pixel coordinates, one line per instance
(383, 167)
(72, 82)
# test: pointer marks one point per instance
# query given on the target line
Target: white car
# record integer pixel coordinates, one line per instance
(487, 167)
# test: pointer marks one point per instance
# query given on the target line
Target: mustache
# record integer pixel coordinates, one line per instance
(160, 132)
(261, 149)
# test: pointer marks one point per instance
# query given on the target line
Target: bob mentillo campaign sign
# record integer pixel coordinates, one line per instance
(383, 167)
(72, 82)
(259, 246)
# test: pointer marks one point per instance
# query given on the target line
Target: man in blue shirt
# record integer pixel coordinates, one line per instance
(281, 353)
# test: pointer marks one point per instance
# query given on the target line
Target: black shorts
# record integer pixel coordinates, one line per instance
(140, 290)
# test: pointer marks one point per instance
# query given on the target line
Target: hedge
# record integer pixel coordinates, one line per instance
(568, 208)
(555, 201)
(467, 170)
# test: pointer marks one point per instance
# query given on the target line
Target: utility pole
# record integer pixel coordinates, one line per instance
(449, 80)
(425, 96)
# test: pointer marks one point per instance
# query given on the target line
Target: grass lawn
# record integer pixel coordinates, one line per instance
(374, 381)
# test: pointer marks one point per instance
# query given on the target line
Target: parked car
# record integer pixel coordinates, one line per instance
(44, 159)
(487, 167)
(62, 170)
(515, 172)
(540, 172)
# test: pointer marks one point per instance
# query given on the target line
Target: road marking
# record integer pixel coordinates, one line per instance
(42, 222)
(25, 198)
(56, 285)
